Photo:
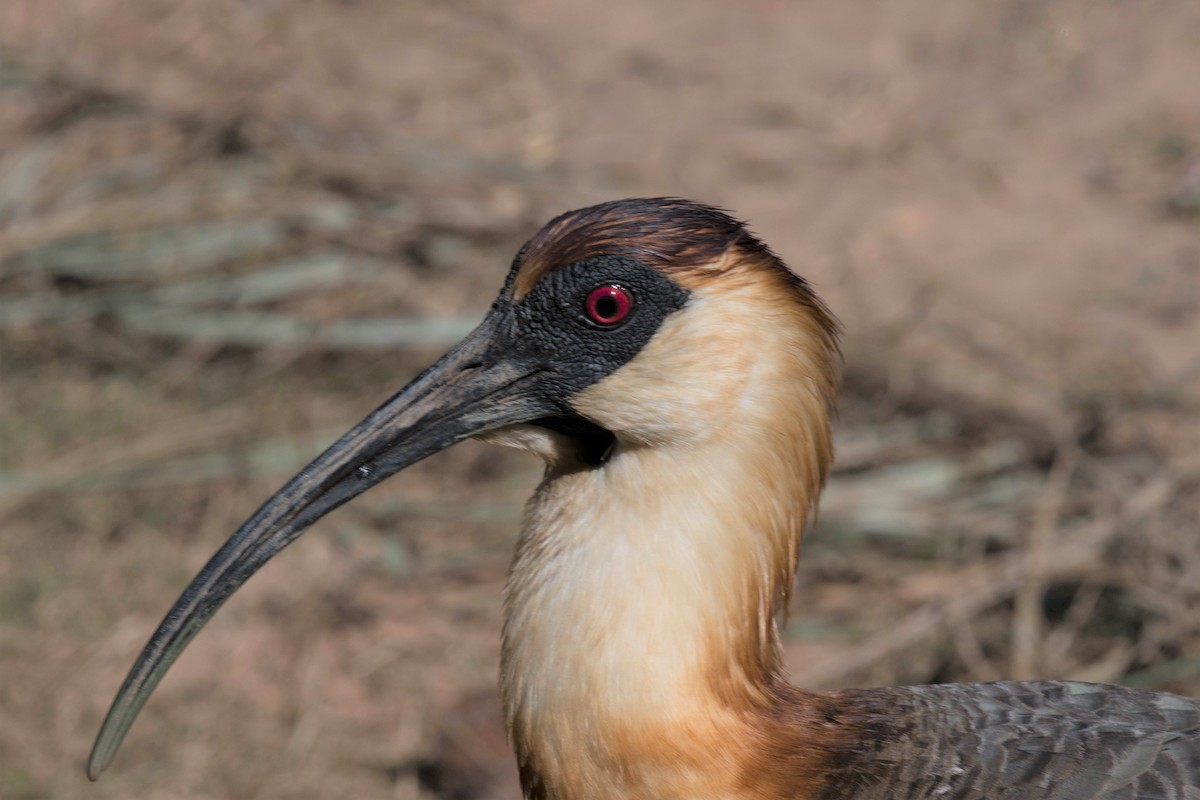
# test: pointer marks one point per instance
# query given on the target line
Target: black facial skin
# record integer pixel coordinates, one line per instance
(553, 322)
(521, 365)
(552, 327)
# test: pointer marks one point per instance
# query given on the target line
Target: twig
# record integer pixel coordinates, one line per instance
(255, 329)
(1058, 642)
(270, 283)
(1028, 617)
(1069, 553)
(967, 647)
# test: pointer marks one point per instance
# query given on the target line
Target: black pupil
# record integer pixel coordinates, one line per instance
(607, 307)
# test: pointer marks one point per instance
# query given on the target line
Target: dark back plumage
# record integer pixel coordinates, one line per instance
(1020, 740)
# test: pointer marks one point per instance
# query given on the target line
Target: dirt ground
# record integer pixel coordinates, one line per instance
(229, 229)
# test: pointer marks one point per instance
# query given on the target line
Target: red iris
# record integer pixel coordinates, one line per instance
(608, 305)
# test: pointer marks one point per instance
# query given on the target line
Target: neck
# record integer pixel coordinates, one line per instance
(640, 644)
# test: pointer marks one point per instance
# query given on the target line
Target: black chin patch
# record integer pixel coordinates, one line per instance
(595, 443)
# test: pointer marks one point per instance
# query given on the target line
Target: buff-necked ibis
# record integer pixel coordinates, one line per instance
(678, 380)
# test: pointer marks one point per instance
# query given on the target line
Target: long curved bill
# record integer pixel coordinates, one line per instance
(482, 384)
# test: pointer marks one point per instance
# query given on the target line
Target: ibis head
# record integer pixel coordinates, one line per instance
(635, 326)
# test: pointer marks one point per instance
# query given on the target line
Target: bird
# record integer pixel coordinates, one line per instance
(678, 381)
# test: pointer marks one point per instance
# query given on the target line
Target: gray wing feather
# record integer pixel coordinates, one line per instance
(1044, 740)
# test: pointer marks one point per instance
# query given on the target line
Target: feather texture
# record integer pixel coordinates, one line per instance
(1026, 740)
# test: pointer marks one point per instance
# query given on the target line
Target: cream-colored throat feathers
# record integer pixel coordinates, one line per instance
(640, 618)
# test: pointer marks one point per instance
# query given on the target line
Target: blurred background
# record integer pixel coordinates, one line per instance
(229, 229)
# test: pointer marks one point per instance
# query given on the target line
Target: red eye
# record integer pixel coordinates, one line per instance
(608, 305)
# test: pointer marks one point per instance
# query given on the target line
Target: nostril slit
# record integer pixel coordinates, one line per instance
(466, 370)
